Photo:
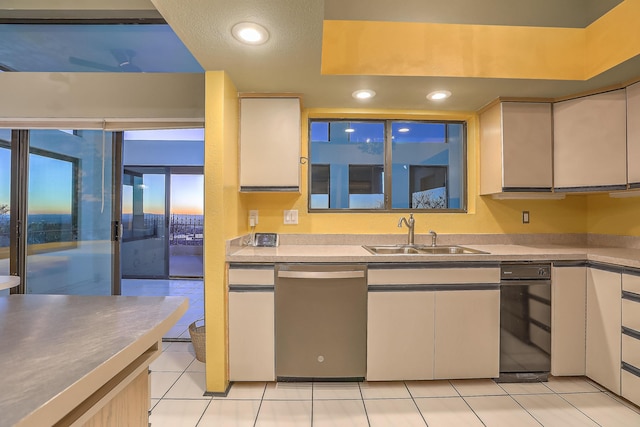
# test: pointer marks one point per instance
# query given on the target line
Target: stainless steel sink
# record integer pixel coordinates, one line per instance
(420, 250)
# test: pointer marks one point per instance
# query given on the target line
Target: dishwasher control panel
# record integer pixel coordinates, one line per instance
(525, 271)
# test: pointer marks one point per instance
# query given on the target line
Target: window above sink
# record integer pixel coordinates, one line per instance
(387, 165)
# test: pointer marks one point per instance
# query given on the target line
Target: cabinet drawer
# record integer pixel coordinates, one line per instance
(631, 283)
(631, 314)
(433, 276)
(251, 276)
(630, 350)
(630, 387)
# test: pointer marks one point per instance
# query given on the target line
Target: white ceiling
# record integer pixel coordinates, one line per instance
(291, 60)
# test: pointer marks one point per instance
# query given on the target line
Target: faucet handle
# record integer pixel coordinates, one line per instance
(434, 238)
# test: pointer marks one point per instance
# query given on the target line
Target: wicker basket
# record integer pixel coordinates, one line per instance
(198, 340)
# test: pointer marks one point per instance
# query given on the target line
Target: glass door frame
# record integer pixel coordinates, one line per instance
(18, 212)
(168, 171)
(20, 151)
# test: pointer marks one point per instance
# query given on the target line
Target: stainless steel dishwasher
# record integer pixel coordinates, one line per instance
(320, 322)
(525, 322)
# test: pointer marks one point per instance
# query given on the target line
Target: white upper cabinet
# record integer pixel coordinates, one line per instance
(590, 145)
(516, 148)
(270, 144)
(633, 135)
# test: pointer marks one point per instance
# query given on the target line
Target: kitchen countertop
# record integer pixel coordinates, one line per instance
(356, 253)
(58, 349)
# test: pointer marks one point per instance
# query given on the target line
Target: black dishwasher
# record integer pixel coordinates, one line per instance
(525, 322)
(320, 322)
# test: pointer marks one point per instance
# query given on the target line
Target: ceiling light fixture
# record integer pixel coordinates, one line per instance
(250, 33)
(363, 94)
(349, 130)
(438, 95)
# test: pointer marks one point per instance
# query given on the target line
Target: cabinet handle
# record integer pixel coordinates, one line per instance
(321, 274)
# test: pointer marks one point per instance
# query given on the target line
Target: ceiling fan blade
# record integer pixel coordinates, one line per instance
(124, 57)
(91, 64)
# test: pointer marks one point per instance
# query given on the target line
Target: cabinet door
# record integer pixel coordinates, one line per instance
(590, 142)
(467, 334)
(526, 145)
(400, 336)
(568, 320)
(604, 314)
(633, 134)
(251, 336)
(516, 148)
(269, 144)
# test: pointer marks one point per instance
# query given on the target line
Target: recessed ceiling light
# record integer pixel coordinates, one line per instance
(363, 94)
(349, 130)
(438, 95)
(403, 130)
(250, 33)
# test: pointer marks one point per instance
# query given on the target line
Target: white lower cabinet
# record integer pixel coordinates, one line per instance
(467, 334)
(251, 336)
(604, 315)
(435, 322)
(251, 322)
(400, 331)
(568, 320)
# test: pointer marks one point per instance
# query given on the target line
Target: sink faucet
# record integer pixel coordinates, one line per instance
(434, 238)
(410, 223)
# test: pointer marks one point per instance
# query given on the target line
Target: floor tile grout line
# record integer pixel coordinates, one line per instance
(264, 391)
(579, 410)
(204, 412)
(312, 399)
(526, 410)
(467, 403)
(366, 413)
(416, 404)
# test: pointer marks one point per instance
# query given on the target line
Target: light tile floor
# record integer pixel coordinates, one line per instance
(192, 289)
(178, 384)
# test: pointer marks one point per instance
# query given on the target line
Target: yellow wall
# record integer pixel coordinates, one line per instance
(613, 216)
(222, 210)
(495, 51)
(485, 215)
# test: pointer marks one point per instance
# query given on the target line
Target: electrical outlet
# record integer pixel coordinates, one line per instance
(253, 218)
(525, 217)
(291, 217)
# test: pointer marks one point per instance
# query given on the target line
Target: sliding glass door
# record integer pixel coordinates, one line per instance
(187, 223)
(162, 218)
(69, 230)
(144, 220)
(61, 192)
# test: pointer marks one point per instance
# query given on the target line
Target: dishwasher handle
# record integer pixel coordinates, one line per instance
(349, 274)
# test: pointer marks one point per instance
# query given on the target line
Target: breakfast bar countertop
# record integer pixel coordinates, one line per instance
(57, 350)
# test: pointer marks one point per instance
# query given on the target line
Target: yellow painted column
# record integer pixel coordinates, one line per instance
(221, 206)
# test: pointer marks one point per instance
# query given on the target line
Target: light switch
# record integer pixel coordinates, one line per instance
(525, 217)
(291, 216)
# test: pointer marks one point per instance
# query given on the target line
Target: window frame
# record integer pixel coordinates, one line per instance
(387, 166)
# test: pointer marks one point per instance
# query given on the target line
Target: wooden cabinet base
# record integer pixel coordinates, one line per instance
(124, 400)
(129, 407)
